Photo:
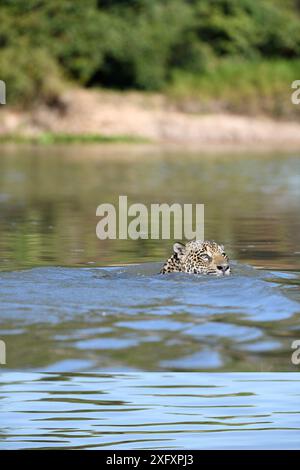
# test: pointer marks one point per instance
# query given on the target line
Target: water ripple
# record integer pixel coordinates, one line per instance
(68, 411)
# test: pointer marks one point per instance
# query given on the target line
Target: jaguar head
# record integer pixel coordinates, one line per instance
(197, 257)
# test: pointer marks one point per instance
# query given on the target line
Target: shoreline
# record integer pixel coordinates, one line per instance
(89, 116)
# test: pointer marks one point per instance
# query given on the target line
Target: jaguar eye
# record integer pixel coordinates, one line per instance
(205, 257)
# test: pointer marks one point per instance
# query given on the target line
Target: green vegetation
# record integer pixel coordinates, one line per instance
(239, 86)
(232, 50)
(48, 138)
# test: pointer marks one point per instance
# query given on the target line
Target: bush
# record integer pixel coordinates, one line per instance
(239, 86)
(30, 76)
(137, 43)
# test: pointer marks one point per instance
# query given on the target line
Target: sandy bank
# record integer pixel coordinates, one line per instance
(150, 117)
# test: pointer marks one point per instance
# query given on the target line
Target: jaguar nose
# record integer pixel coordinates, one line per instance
(224, 268)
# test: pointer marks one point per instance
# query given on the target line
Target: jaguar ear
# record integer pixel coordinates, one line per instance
(179, 249)
(222, 247)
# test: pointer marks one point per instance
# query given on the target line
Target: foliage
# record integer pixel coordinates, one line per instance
(48, 138)
(239, 86)
(136, 43)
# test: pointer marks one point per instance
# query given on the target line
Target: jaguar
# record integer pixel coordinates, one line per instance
(198, 257)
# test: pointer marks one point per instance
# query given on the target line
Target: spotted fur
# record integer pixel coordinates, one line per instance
(197, 257)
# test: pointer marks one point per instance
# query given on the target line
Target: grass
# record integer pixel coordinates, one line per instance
(240, 86)
(49, 138)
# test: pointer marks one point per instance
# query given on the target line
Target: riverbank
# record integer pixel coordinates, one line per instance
(98, 116)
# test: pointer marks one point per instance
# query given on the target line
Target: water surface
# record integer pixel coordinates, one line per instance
(49, 196)
(132, 318)
(72, 306)
(149, 411)
(70, 302)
